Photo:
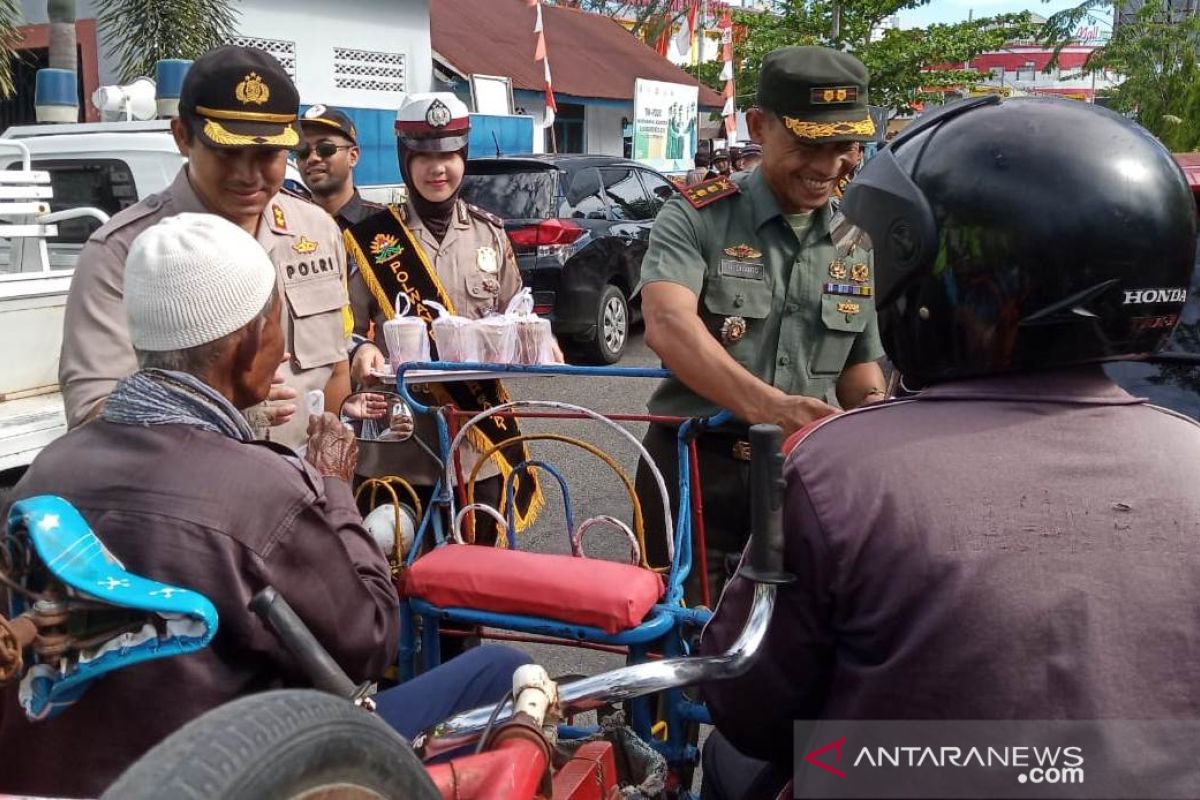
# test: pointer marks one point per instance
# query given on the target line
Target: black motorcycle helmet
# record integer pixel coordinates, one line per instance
(1022, 234)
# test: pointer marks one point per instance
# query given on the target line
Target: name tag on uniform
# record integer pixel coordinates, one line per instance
(742, 269)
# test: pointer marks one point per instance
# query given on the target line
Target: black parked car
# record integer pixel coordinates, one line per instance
(579, 225)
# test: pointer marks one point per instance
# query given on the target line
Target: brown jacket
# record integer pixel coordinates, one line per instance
(1020, 547)
(205, 512)
(303, 243)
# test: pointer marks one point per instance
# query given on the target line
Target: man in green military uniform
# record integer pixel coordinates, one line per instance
(758, 298)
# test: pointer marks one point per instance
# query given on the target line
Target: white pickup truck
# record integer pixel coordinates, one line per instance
(89, 171)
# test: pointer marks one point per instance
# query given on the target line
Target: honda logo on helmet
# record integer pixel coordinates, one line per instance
(1148, 296)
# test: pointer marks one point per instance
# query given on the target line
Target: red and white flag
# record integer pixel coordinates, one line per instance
(729, 112)
(539, 54)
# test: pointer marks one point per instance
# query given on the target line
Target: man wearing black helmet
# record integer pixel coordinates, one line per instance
(1022, 542)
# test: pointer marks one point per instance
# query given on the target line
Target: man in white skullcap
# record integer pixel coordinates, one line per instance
(173, 482)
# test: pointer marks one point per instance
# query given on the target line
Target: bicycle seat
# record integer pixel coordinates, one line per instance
(177, 620)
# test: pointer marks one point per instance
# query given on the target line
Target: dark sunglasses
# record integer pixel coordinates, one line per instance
(324, 150)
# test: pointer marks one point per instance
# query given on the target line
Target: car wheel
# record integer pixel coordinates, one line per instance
(612, 327)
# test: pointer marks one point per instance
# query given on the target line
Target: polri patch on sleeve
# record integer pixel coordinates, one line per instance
(708, 192)
(742, 269)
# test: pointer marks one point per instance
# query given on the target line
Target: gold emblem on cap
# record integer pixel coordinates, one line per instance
(486, 259)
(837, 271)
(825, 130)
(860, 273)
(252, 90)
(743, 251)
(305, 246)
(733, 329)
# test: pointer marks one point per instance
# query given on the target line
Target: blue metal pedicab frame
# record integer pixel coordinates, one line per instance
(663, 632)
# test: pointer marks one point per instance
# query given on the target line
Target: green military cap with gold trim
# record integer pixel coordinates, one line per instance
(242, 97)
(820, 94)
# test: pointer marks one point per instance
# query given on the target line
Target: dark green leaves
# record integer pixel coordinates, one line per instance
(139, 33)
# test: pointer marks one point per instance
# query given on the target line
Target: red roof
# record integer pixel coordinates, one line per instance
(590, 55)
(1191, 168)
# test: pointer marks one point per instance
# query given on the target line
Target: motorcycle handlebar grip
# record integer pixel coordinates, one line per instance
(764, 562)
(314, 659)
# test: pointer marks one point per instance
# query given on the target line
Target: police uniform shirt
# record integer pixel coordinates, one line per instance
(793, 313)
(303, 243)
(476, 266)
(355, 210)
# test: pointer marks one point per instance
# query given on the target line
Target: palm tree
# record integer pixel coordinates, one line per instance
(10, 37)
(141, 32)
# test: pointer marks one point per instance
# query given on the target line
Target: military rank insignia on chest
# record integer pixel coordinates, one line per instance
(860, 273)
(278, 216)
(305, 246)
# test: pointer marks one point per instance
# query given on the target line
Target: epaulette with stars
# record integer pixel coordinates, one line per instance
(709, 192)
(485, 215)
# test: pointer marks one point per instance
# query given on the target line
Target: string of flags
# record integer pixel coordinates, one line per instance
(729, 112)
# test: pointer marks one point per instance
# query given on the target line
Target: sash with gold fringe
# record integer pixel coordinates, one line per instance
(398, 264)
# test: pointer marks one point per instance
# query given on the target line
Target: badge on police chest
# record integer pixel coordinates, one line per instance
(733, 329)
(860, 273)
(837, 270)
(487, 260)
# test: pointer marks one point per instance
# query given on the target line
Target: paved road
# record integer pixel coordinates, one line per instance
(594, 488)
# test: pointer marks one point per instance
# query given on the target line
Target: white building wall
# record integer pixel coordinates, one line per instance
(602, 128)
(315, 28)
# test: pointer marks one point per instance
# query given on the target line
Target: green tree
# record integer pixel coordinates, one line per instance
(10, 37)
(1155, 54)
(907, 66)
(139, 33)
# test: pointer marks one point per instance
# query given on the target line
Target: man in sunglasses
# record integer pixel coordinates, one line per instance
(327, 158)
(238, 118)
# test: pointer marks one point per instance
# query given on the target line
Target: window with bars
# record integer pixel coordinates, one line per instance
(372, 70)
(284, 51)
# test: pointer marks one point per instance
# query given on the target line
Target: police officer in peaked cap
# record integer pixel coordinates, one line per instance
(755, 299)
(238, 118)
(461, 257)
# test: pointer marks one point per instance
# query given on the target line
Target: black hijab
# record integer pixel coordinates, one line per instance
(436, 216)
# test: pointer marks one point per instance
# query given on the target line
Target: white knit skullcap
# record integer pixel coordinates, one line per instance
(191, 279)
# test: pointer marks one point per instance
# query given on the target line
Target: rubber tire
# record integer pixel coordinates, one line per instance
(596, 350)
(278, 745)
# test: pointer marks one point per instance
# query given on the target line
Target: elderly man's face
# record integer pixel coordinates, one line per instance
(252, 384)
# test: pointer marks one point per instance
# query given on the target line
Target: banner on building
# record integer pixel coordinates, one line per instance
(664, 125)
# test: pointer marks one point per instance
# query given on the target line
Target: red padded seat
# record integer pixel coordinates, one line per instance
(582, 591)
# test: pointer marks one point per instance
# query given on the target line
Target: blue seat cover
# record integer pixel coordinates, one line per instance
(74, 555)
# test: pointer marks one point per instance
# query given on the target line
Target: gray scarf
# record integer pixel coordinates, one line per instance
(165, 397)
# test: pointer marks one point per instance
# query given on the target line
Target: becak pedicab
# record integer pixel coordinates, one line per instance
(71, 619)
